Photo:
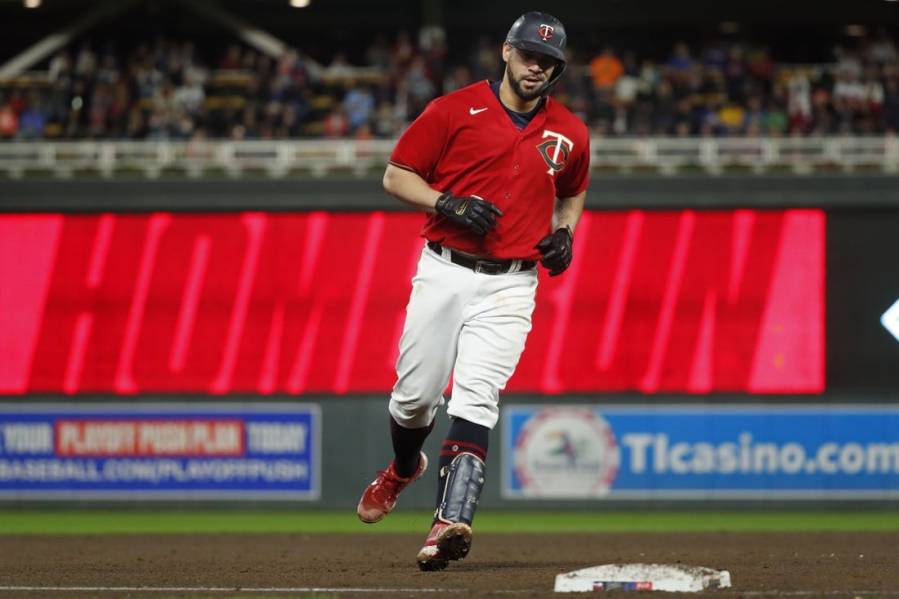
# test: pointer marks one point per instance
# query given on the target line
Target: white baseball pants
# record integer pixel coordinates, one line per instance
(471, 324)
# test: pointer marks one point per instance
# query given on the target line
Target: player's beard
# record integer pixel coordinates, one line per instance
(522, 93)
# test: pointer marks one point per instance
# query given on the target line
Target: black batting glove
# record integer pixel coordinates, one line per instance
(471, 212)
(556, 250)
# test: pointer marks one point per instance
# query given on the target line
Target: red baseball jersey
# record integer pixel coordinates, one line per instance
(466, 143)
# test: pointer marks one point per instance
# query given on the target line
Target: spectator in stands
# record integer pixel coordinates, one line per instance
(663, 108)
(848, 61)
(358, 105)
(98, 110)
(881, 49)
(848, 92)
(681, 61)
(485, 61)
(60, 67)
(403, 52)
(294, 70)
(432, 42)
(158, 125)
(86, 63)
(459, 77)
(687, 117)
(604, 108)
(579, 106)
(249, 122)
(418, 86)
(606, 68)
(339, 68)
(146, 77)
(336, 124)
(232, 58)
(732, 120)
(189, 96)
(776, 122)
(761, 68)
(708, 118)
(649, 78)
(755, 115)
(628, 84)
(17, 101)
(873, 83)
(386, 122)
(714, 55)
(9, 122)
(377, 55)
(137, 126)
(620, 118)
(33, 119)
(289, 124)
(363, 133)
(799, 101)
(824, 119)
(891, 105)
(735, 74)
(108, 72)
(163, 90)
(76, 109)
(118, 108)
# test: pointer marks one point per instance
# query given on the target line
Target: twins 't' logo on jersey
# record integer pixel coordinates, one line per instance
(555, 151)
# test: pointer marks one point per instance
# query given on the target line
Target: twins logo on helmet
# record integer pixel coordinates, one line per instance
(542, 33)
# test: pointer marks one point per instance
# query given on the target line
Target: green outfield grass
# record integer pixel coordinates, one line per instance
(102, 522)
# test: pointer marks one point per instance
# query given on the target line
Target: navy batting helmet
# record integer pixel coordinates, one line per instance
(542, 33)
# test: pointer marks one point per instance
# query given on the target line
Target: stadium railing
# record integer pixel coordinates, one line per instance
(799, 155)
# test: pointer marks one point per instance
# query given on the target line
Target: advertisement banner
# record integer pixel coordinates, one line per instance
(160, 451)
(676, 301)
(701, 452)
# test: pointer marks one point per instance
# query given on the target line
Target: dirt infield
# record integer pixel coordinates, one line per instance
(804, 565)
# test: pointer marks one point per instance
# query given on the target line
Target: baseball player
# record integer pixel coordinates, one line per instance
(501, 169)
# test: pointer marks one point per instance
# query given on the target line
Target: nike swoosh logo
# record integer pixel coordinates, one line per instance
(475, 111)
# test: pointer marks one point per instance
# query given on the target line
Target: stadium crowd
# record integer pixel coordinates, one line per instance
(163, 90)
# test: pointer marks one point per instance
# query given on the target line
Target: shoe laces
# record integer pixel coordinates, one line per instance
(390, 483)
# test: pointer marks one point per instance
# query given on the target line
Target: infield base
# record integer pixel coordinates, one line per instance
(642, 577)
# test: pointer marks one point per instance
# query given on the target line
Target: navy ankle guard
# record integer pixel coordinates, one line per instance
(464, 483)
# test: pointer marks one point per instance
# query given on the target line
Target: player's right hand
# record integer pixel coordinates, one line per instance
(472, 212)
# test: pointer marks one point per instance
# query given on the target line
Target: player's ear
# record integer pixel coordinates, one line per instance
(507, 51)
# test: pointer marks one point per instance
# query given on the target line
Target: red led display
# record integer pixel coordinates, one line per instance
(676, 301)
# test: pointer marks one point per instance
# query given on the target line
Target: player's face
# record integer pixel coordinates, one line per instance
(528, 72)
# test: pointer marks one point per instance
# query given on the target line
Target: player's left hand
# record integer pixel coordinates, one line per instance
(556, 250)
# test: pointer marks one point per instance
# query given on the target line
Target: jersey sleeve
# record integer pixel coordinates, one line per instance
(574, 179)
(421, 145)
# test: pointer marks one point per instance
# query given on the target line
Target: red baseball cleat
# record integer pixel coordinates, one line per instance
(445, 542)
(379, 498)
